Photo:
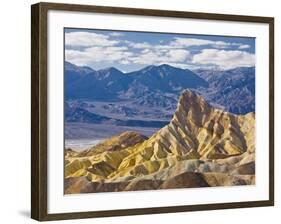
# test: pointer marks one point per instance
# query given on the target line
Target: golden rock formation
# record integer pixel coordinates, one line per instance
(202, 146)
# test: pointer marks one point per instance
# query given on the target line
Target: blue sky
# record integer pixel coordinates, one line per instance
(130, 51)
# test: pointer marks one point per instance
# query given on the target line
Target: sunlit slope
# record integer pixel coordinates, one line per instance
(202, 146)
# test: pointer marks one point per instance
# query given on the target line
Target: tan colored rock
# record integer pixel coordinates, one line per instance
(115, 143)
(201, 146)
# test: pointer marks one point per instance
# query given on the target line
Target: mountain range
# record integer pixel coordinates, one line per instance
(110, 83)
(160, 86)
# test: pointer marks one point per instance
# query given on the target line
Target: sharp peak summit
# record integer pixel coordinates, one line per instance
(109, 69)
(192, 98)
(70, 66)
(162, 66)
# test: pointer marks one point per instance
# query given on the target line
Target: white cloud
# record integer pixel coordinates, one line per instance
(77, 57)
(153, 56)
(178, 65)
(224, 59)
(138, 45)
(86, 48)
(97, 54)
(125, 62)
(187, 42)
(145, 51)
(116, 34)
(87, 39)
(149, 57)
(180, 42)
(178, 55)
(244, 46)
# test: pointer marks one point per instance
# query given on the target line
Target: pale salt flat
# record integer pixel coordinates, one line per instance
(81, 144)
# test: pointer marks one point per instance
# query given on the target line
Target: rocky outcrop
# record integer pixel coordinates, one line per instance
(116, 143)
(212, 133)
(202, 146)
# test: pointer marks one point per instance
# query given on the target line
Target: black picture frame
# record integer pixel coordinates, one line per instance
(39, 121)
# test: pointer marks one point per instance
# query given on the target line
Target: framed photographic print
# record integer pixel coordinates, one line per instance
(139, 111)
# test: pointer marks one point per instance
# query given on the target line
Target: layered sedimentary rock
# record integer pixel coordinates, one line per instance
(202, 146)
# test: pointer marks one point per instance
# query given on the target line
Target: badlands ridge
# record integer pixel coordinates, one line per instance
(201, 147)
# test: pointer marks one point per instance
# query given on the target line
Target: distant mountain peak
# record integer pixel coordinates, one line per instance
(166, 66)
(108, 73)
(110, 69)
(72, 67)
(160, 67)
(243, 68)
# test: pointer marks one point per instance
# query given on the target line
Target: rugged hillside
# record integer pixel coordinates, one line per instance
(235, 85)
(79, 114)
(166, 79)
(86, 83)
(202, 146)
